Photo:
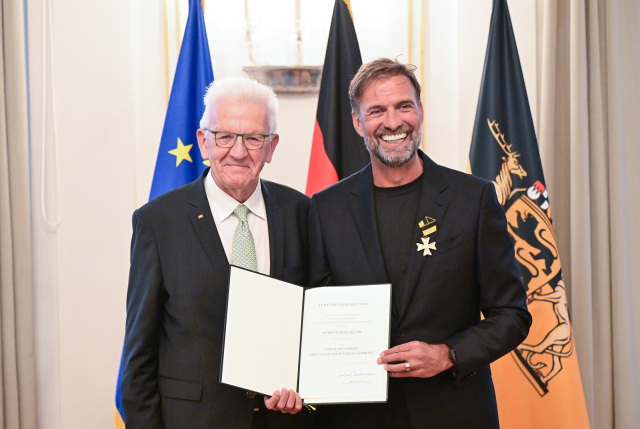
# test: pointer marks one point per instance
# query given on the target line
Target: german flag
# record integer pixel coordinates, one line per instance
(538, 385)
(337, 150)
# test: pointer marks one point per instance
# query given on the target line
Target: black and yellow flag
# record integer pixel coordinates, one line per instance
(538, 384)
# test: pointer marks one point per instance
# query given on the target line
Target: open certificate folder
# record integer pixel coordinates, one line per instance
(323, 342)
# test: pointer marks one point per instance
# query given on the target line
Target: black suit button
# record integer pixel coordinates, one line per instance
(400, 333)
(251, 395)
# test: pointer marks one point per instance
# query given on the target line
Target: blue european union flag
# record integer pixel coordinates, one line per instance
(179, 161)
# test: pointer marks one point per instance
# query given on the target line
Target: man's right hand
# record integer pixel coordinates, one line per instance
(425, 360)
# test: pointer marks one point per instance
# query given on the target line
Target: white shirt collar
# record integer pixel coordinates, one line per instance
(224, 204)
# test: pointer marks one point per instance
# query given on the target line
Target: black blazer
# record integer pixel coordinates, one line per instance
(473, 270)
(176, 309)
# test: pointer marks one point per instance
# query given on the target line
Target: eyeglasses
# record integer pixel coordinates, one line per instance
(227, 140)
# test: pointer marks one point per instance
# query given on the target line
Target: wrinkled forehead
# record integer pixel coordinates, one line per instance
(234, 109)
(385, 84)
(387, 90)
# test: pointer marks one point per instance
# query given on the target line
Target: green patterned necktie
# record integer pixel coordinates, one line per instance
(244, 249)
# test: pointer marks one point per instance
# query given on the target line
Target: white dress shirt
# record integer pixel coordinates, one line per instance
(222, 207)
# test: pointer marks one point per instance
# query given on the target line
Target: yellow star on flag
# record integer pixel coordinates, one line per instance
(207, 163)
(181, 152)
(426, 246)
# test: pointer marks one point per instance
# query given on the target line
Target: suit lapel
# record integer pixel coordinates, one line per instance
(200, 216)
(275, 220)
(433, 203)
(363, 212)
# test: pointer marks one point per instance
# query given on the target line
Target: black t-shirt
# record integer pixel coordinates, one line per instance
(396, 210)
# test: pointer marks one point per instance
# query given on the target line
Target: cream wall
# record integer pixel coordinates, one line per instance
(110, 103)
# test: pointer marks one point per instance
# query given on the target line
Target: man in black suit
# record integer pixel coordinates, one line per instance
(183, 242)
(440, 237)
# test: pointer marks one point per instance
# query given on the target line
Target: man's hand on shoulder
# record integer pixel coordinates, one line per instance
(424, 360)
(286, 400)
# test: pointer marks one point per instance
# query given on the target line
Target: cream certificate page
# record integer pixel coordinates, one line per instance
(262, 333)
(345, 328)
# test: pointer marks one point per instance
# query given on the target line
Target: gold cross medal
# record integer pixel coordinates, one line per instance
(428, 226)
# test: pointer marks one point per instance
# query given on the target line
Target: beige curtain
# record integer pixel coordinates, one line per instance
(17, 363)
(589, 133)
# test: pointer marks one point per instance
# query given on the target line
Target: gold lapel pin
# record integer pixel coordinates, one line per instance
(429, 230)
(200, 216)
(430, 224)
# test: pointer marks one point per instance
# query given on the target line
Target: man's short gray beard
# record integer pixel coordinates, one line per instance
(394, 162)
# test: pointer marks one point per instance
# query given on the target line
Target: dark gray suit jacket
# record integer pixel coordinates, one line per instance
(473, 270)
(176, 309)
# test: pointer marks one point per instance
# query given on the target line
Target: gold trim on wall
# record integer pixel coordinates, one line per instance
(422, 71)
(178, 32)
(410, 31)
(166, 50)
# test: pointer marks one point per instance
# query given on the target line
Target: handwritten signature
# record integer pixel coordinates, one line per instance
(355, 374)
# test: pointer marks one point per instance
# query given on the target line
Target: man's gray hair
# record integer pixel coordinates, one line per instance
(241, 89)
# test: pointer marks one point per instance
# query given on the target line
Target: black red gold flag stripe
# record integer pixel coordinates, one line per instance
(337, 150)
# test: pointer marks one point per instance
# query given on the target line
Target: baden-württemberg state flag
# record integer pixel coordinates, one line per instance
(538, 385)
(337, 151)
(179, 161)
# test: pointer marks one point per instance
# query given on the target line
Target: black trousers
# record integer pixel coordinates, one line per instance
(259, 419)
(399, 412)
(395, 415)
(302, 420)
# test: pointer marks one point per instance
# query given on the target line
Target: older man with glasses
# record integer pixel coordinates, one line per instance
(182, 245)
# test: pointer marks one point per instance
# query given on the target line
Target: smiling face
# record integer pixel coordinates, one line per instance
(390, 119)
(236, 170)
